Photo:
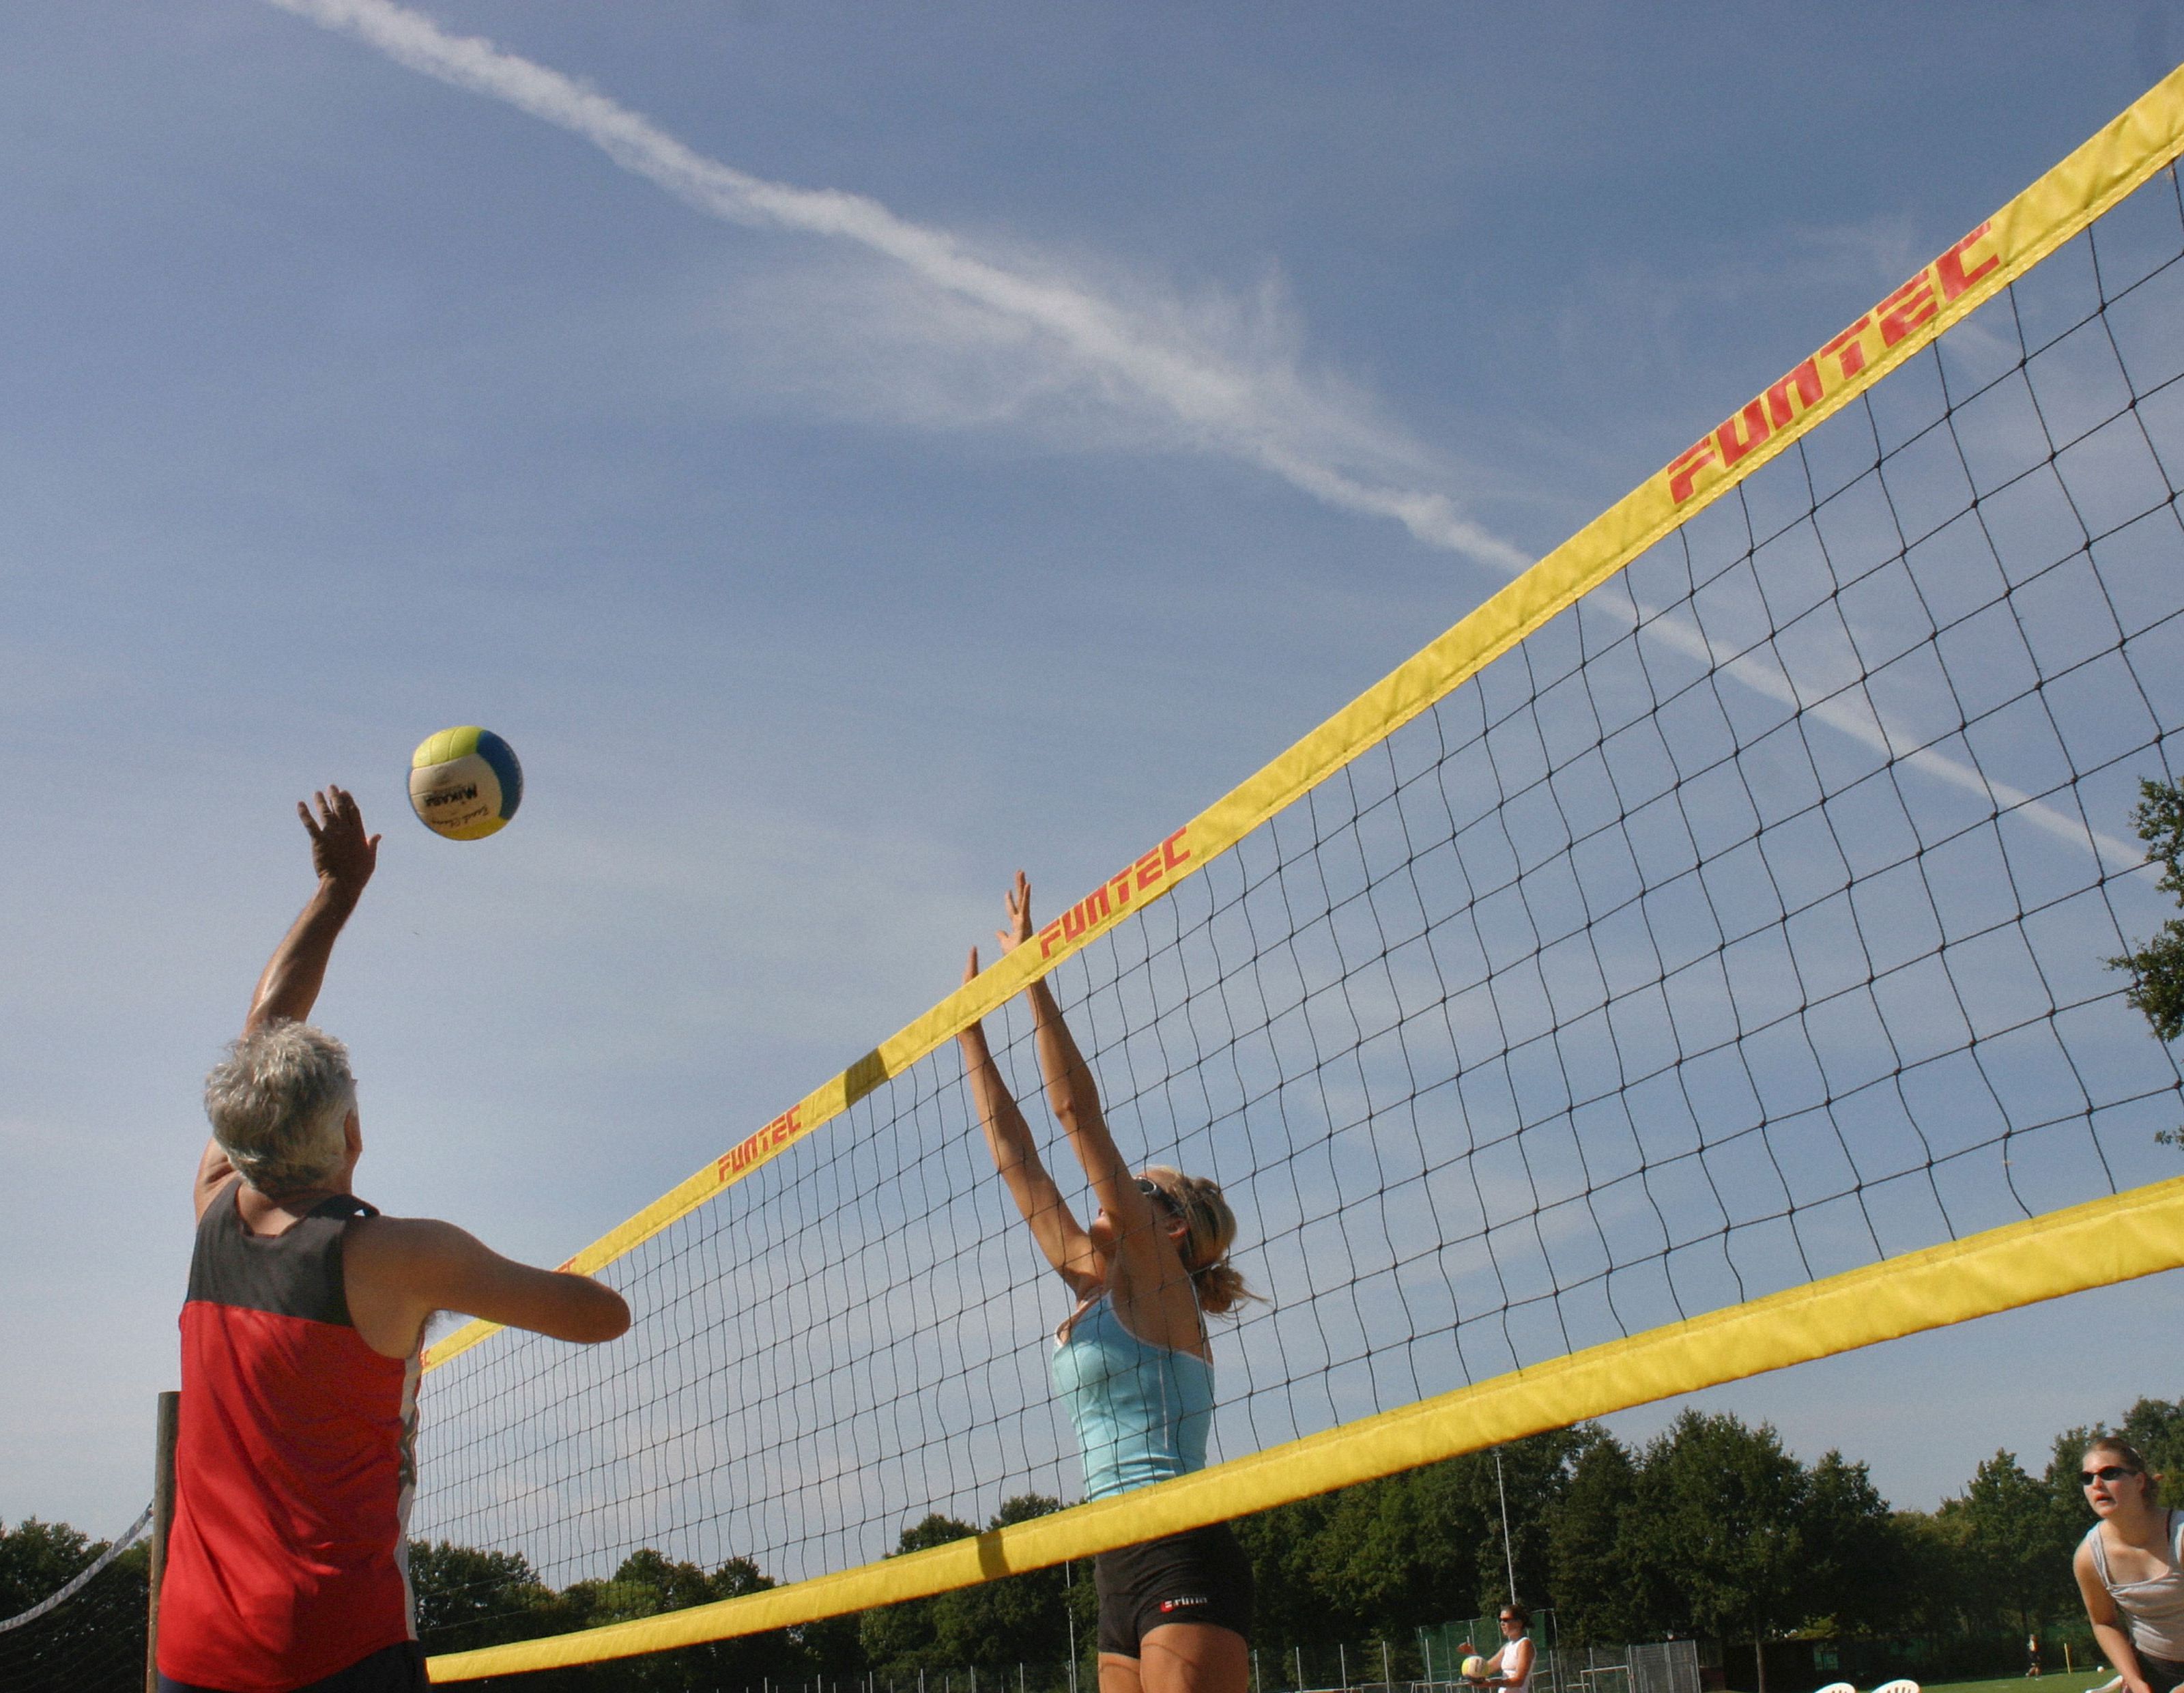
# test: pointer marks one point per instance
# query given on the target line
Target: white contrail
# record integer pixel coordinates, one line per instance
(1224, 407)
(1247, 415)
(1851, 712)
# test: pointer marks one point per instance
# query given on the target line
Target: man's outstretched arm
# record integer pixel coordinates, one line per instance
(343, 856)
(401, 1270)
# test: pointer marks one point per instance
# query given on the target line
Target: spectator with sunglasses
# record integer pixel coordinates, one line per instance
(2130, 1569)
(1510, 1668)
(1133, 1362)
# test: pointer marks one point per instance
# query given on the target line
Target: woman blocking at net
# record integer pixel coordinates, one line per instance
(2131, 1570)
(1132, 1362)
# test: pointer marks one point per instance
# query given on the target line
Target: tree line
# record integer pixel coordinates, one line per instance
(1713, 1530)
(91, 1643)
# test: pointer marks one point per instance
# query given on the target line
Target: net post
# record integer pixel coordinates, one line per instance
(163, 1518)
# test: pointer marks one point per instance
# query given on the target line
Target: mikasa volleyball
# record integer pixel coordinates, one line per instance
(464, 783)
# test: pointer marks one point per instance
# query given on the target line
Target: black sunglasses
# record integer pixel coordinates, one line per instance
(1152, 1190)
(2106, 1473)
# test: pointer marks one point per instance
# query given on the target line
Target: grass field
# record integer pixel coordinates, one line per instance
(2055, 1681)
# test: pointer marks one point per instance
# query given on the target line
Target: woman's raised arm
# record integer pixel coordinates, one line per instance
(1067, 1248)
(1153, 1294)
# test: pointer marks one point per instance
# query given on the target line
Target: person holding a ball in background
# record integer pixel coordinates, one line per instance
(286, 1565)
(1511, 1667)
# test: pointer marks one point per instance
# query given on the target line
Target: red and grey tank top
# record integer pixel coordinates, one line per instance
(295, 1465)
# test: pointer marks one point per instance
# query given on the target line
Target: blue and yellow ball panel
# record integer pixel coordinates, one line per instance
(464, 783)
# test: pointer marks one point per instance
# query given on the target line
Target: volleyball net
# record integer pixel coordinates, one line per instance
(77, 1610)
(1694, 961)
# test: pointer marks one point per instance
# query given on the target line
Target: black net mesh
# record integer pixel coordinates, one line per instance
(1748, 923)
(92, 1639)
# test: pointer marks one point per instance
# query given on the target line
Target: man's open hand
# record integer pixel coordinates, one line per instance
(342, 854)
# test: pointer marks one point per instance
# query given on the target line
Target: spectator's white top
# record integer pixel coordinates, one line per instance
(2155, 1608)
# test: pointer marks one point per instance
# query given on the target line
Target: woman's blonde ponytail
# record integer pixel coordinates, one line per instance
(1210, 1231)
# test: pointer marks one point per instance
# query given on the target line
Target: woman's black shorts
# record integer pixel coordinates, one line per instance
(2161, 1675)
(1201, 1577)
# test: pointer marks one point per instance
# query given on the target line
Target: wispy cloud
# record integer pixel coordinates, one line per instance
(1222, 378)
(1267, 412)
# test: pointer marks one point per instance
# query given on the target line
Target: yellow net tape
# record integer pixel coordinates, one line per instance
(2113, 1239)
(2145, 138)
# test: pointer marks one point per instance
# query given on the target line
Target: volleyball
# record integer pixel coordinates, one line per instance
(1475, 1667)
(464, 783)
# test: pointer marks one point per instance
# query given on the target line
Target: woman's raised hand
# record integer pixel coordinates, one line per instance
(1017, 899)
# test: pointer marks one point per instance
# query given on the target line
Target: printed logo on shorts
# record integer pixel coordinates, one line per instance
(1184, 1602)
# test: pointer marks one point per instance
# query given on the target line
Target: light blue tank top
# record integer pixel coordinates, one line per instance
(1142, 1412)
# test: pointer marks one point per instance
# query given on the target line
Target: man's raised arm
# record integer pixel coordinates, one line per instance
(343, 856)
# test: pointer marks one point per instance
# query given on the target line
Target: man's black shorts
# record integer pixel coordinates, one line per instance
(1201, 1577)
(398, 1669)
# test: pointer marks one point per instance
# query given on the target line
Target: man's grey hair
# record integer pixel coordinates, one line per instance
(279, 1102)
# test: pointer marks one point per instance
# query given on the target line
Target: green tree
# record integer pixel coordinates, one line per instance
(1282, 1546)
(646, 1585)
(1019, 1619)
(904, 1639)
(2157, 967)
(36, 1557)
(90, 1643)
(990, 1628)
(1718, 1529)
(1533, 1477)
(2017, 1548)
(1376, 1559)
(1598, 1587)
(468, 1598)
(1939, 1590)
(2156, 1427)
(1854, 1550)
(1390, 1550)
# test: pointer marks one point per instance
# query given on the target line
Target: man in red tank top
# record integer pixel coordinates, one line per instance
(287, 1565)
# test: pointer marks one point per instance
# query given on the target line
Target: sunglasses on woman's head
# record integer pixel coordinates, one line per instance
(2106, 1473)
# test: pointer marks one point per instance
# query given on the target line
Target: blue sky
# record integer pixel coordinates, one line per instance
(342, 404)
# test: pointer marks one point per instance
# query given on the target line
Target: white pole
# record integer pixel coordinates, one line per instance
(1506, 1552)
(1069, 1611)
